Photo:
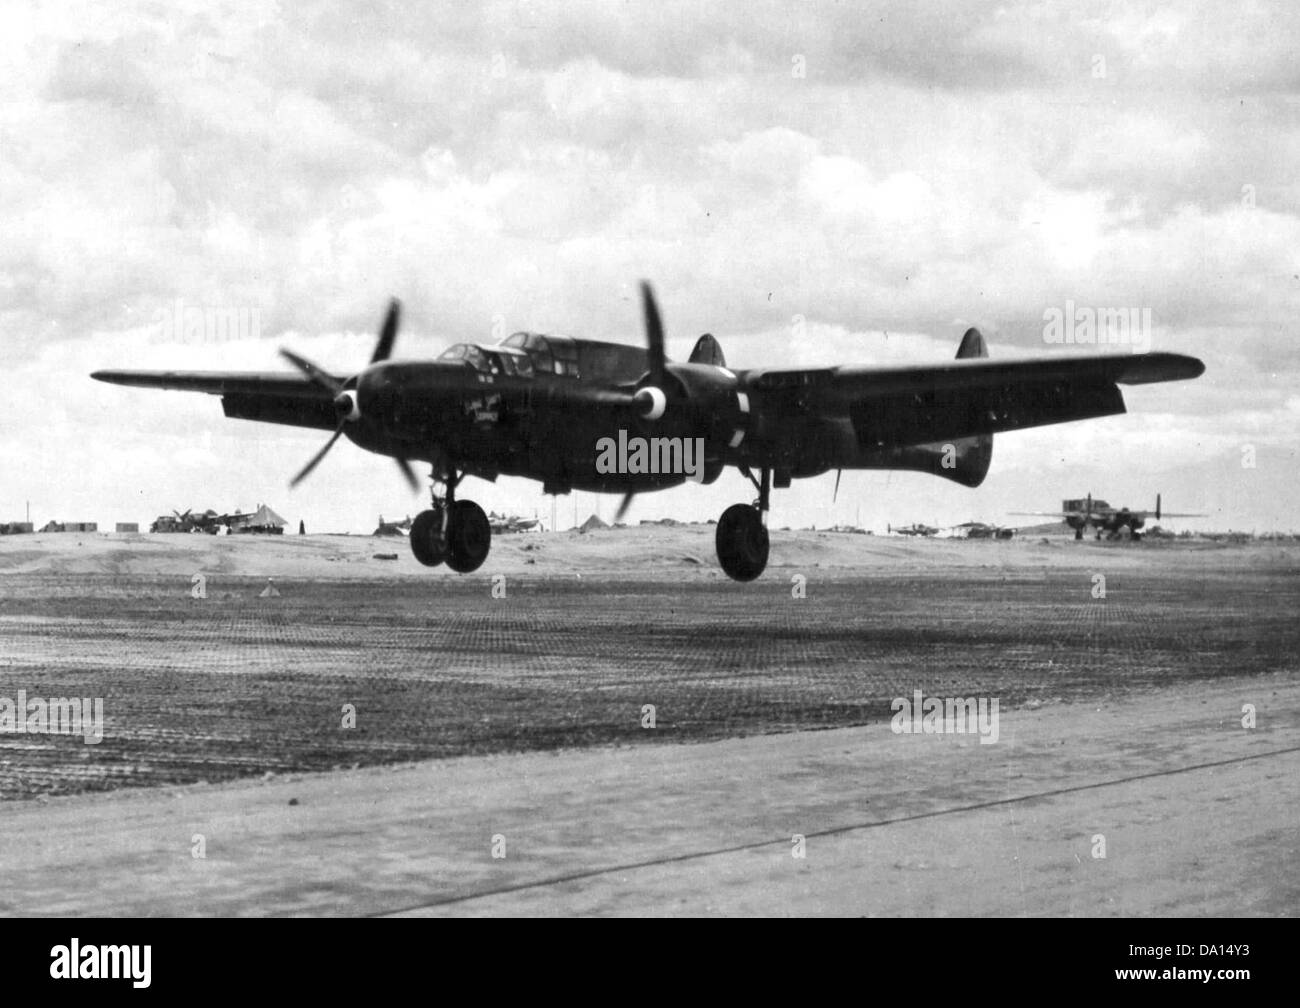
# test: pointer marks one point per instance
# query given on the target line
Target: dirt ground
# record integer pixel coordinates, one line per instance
(546, 690)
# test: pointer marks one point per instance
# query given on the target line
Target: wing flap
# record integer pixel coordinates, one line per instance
(289, 410)
(270, 397)
(883, 421)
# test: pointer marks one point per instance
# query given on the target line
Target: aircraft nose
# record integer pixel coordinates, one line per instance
(419, 395)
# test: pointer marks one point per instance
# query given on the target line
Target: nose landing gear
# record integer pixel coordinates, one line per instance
(455, 532)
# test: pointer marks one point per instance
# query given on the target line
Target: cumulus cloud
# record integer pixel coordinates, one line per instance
(811, 182)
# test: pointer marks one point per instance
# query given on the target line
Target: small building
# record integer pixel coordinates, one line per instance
(56, 526)
(16, 528)
(128, 527)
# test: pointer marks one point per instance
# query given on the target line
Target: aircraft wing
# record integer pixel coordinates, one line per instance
(286, 398)
(272, 397)
(972, 396)
(277, 383)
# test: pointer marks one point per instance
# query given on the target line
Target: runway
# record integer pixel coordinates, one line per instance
(1198, 817)
(519, 724)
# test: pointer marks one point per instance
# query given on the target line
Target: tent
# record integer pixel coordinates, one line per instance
(593, 522)
(263, 520)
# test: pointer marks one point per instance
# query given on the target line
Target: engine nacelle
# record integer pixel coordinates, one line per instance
(719, 409)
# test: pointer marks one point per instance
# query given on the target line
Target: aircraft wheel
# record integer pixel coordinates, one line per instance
(469, 537)
(1135, 535)
(426, 539)
(742, 542)
(1078, 533)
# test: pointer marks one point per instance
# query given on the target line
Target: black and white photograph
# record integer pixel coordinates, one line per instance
(584, 459)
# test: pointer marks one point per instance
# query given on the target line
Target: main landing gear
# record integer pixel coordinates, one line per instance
(452, 531)
(741, 538)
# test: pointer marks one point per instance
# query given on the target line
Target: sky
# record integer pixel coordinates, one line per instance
(812, 182)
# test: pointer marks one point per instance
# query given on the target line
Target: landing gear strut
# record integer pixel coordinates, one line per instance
(741, 538)
(454, 531)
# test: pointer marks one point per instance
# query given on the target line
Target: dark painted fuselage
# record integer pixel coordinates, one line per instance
(524, 417)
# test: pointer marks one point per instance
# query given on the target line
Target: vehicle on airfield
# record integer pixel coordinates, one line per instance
(189, 522)
(541, 407)
(1081, 513)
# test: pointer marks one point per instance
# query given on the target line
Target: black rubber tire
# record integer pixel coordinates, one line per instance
(469, 537)
(426, 539)
(742, 542)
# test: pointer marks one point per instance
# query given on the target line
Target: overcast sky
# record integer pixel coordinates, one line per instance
(811, 182)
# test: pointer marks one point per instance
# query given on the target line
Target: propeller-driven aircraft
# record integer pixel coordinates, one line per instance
(511, 523)
(553, 408)
(915, 529)
(1084, 512)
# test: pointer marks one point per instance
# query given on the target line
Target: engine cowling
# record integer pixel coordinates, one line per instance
(709, 402)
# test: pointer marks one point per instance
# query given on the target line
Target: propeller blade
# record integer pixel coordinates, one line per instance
(322, 379)
(838, 474)
(654, 335)
(388, 333)
(623, 505)
(306, 470)
(405, 466)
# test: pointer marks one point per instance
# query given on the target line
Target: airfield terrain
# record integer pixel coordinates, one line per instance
(523, 717)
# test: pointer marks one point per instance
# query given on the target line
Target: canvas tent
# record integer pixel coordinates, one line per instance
(593, 522)
(263, 520)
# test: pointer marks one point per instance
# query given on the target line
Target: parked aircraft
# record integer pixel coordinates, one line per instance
(1081, 513)
(915, 529)
(511, 523)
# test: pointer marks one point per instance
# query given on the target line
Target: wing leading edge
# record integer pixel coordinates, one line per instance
(274, 383)
(853, 382)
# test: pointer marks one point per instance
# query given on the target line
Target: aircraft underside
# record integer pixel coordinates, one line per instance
(456, 531)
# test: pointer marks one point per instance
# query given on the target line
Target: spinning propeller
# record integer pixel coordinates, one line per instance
(346, 407)
(651, 401)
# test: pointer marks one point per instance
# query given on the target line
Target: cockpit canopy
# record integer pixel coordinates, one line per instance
(494, 360)
(550, 354)
(526, 354)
